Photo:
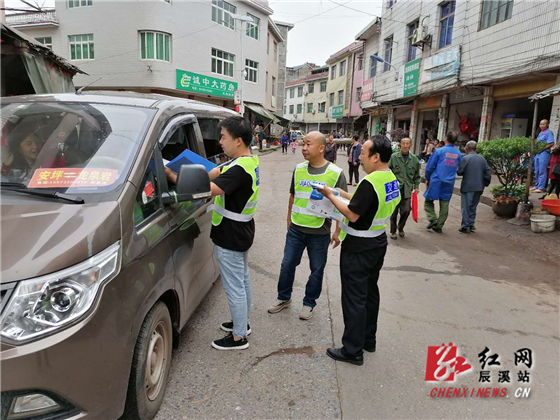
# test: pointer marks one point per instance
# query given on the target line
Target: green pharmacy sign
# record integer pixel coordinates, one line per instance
(411, 71)
(206, 85)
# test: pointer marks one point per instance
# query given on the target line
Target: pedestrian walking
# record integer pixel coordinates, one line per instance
(262, 137)
(236, 187)
(476, 175)
(294, 145)
(354, 160)
(406, 167)
(440, 174)
(285, 140)
(364, 245)
(330, 150)
(542, 160)
(306, 229)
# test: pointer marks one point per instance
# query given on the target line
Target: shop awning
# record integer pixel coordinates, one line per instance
(263, 112)
(554, 90)
(282, 121)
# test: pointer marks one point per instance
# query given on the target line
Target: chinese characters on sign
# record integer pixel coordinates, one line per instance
(200, 83)
(336, 111)
(408, 79)
(72, 177)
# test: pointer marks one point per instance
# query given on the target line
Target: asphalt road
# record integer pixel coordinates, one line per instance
(497, 288)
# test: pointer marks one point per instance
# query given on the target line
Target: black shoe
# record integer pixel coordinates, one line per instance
(369, 349)
(472, 229)
(437, 230)
(431, 224)
(337, 355)
(228, 343)
(465, 230)
(228, 327)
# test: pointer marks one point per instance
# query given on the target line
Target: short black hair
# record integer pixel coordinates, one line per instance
(381, 145)
(356, 137)
(452, 137)
(238, 127)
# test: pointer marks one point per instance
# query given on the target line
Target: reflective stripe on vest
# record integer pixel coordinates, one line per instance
(251, 165)
(386, 187)
(302, 192)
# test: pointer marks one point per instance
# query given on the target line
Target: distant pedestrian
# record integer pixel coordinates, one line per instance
(476, 175)
(428, 150)
(364, 245)
(285, 140)
(330, 150)
(543, 158)
(294, 145)
(262, 137)
(440, 174)
(354, 160)
(406, 167)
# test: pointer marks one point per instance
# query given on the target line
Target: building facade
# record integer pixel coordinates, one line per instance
(294, 104)
(282, 59)
(316, 100)
(190, 49)
(461, 65)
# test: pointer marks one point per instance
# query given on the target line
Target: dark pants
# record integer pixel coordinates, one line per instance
(359, 273)
(284, 148)
(469, 202)
(554, 185)
(354, 172)
(404, 208)
(317, 249)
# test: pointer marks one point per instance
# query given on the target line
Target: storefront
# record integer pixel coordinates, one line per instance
(428, 121)
(465, 113)
(378, 121)
(402, 115)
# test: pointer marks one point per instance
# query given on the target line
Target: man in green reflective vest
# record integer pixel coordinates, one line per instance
(236, 188)
(364, 244)
(306, 229)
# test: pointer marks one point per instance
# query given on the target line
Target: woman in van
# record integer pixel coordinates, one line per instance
(23, 153)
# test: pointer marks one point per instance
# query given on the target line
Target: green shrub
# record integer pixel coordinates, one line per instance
(504, 157)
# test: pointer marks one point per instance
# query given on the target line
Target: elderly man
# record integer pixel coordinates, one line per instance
(330, 150)
(543, 158)
(406, 168)
(476, 175)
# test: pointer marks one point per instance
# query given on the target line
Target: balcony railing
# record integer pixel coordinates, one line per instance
(32, 19)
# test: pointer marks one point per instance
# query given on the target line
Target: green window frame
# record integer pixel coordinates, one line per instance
(155, 46)
(81, 47)
(253, 27)
(72, 4)
(222, 62)
(221, 13)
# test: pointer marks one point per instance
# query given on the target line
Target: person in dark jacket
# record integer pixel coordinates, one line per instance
(330, 150)
(476, 175)
(354, 159)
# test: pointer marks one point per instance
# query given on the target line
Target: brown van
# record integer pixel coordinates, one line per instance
(102, 261)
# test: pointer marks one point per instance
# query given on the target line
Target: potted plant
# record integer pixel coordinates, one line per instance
(508, 159)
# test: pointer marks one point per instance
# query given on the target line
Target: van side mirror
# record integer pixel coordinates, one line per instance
(193, 183)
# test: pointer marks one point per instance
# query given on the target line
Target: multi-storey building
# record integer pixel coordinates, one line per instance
(284, 28)
(199, 50)
(294, 103)
(316, 100)
(462, 65)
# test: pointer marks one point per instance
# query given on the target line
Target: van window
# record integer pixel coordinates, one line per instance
(183, 138)
(211, 136)
(148, 198)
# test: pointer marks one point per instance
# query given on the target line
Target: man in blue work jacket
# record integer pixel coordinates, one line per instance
(440, 179)
(543, 158)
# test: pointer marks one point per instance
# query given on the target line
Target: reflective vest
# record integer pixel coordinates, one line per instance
(302, 188)
(251, 165)
(386, 186)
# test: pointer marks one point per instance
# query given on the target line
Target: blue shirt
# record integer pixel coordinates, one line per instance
(441, 171)
(547, 137)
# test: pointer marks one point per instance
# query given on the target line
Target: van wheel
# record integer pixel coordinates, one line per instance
(150, 365)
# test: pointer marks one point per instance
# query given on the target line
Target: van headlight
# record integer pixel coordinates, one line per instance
(41, 305)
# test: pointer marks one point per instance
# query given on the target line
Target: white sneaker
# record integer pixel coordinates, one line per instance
(306, 313)
(280, 304)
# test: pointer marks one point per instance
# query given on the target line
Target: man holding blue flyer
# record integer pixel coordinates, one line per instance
(236, 188)
(364, 244)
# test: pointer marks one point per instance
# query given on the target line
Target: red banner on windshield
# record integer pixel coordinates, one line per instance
(72, 177)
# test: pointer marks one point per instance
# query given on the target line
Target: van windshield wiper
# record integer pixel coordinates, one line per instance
(21, 188)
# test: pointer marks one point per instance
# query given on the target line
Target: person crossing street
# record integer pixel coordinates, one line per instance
(406, 167)
(306, 229)
(364, 245)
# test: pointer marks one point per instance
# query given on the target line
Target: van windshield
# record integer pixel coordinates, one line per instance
(70, 148)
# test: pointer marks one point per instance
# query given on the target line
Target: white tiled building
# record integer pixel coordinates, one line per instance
(146, 45)
(477, 64)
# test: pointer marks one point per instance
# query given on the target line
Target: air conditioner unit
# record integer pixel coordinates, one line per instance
(421, 37)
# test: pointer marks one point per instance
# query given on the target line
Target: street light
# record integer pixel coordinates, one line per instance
(376, 57)
(241, 18)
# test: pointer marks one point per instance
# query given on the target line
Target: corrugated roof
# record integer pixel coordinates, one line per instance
(554, 90)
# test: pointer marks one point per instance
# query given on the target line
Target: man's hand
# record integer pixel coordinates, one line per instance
(416, 191)
(355, 163)
(214, 173)
(427, 183)
(326, 191)
(171, 176)
(335, 241)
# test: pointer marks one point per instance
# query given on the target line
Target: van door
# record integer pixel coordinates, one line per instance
(188, 221)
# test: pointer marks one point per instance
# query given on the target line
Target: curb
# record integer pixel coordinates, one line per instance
(483, 199)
